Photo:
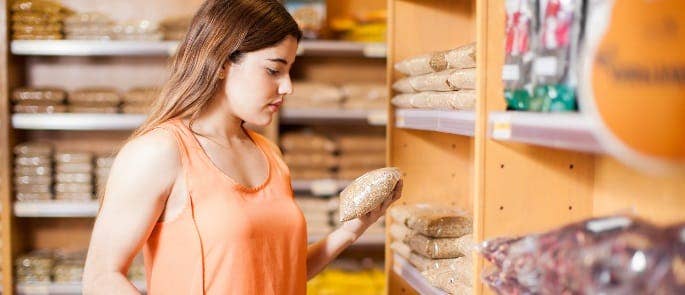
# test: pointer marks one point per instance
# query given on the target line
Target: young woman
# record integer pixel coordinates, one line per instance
(208, 201)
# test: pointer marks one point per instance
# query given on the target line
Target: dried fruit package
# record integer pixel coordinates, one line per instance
(520, 28)
(368, 192)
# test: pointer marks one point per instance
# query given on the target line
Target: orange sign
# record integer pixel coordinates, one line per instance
(635, 78)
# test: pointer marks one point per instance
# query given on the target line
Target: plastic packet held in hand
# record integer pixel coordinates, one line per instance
(368, 192)
(612, 255)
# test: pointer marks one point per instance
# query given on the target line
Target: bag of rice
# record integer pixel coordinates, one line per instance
(368, 192)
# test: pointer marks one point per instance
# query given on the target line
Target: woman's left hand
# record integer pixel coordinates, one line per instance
(359, 225)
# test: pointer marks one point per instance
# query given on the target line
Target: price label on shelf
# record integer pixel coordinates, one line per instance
(501, 129)
(375, 50)
(377, 118)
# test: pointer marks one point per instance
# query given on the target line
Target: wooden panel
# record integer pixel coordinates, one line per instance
(339, 70)
(619, 189)
(437, 167)
(526, 188)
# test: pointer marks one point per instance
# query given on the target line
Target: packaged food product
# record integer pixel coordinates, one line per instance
(104, 161)
(307, 141)
(82, 196)
(438, 248)
(36, 108)
(361, 143)
(310, 15)
(44, 6)
(42, 170)
(400, 233)
(447, 80)
(33, 188)
(368, 192)
(35, 18)
(73, 157)
(311, 160)
(88, 18)
(401, 249)
(362, 160)
(454, 280)
(29, 197)
(74, 177)
(140, 95)
(449, 100)
(33, 161)
(311, 174)
(73, 188)
(94, 95)
(92, 110)
(135, 108)
(33, 149)
(19, 28)
(459, 58)
(433, 220)
(37, 36)
(20, 180)
(74, 167)
(521, 27)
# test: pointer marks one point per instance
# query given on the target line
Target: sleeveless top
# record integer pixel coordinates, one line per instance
(229, 239)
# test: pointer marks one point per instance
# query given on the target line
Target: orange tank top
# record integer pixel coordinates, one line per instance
(229, 239)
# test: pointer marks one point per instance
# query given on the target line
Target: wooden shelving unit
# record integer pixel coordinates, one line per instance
(517, 173)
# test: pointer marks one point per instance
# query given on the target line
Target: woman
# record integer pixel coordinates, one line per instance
(209, 202)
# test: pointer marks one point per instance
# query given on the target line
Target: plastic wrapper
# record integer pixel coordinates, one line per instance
(438, 248)
(362, 160)
(33, 188)
(311, 160)
(19, 28)
(74, 167)
(364, 96)
(353, 143)
(73, 188)
(44, 170)
(455, 279)
(400, 233)
(38, 94)
(44, 6)
(450, 100)
(401, 249)
(68, 272)
(74, 177)
(458, 58)
(448, 80)
(76, 197)
(611, 255)
(88, 18)
(36, 18)
(521, 26)
(33, 149)
(30, 197)
(433, 220)
(368, 192)
(35, 267)
(34, 36)
(33, 161)
(73, 157)
(92, 110)
(19, 180)
(94, 95)
(35, 108)
(307, 142)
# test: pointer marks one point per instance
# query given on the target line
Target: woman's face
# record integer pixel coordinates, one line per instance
(256, 85)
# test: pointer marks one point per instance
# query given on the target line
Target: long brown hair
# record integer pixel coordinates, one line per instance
(221, 31)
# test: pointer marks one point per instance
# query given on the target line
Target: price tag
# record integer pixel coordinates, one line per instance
(377, 118)
(375, 50)
(501, 129)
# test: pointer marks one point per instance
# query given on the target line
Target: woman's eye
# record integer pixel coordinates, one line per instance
(272, 72)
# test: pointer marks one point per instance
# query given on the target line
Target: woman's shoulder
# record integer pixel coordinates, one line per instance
(156, 149)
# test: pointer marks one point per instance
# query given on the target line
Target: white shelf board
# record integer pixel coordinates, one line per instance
(453, 122)
(167, 48)
(297, 115)
(56, 209)
(413, 277)
(92, 47)
(570, 131)
(61, 288)
(320, 187)
(77, 121)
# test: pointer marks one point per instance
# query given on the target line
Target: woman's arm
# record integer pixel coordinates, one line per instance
(139, 184)
(321, 253)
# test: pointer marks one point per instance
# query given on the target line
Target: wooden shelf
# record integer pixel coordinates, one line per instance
(167, 48)
(413, 277)
(372, 117)
(570, 131)
(56, 209)
(453, 122)
(74, 121)
(61, 288)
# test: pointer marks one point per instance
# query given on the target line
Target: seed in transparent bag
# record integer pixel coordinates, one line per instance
(400, 232)
(73, 157)
(441, 247)
(44, 170)
(368, 192)
(73, 188)
(87, 196)
(73, 177)
(32, 197)
(33, 161)
(74, 167)
(439, 221)
(401, 249)
(33, 149)
(33, 188)
(462, 79)
(24, 180)
(448, 280)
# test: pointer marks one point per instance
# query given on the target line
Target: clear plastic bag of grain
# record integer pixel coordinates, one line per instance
(73, 157)
(32, 108)
(38, 94)
(33, 188)
(368, 192)
(401, 249)
(459, 58)
(45, 170)
(34, 267)
(450, 100)
(74, 167)
(94, 95)
(439, 248)
(307, 142)
(438, 221)
(449, 280)
(33, 149)
(26, 180)
(33, 197)
(400, 232)
(33, 161)
(448, 80)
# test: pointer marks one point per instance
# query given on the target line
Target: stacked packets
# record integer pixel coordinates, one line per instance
(439, 80)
